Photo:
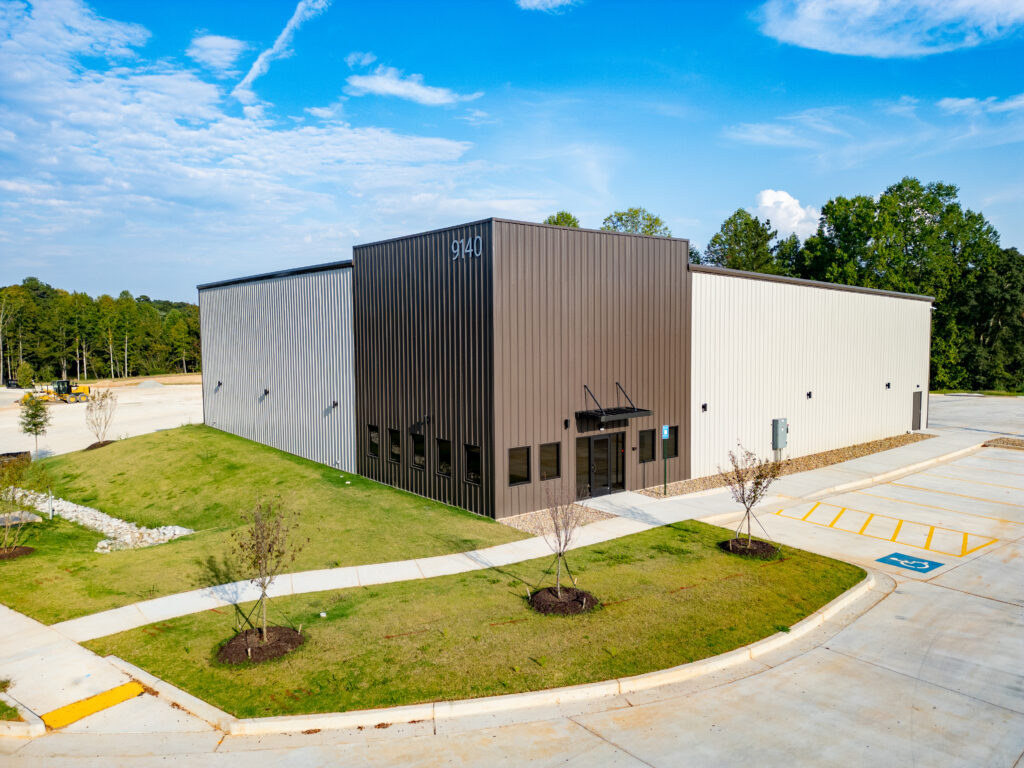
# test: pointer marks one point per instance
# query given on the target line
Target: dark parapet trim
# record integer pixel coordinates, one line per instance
(725, 271)
(280, 273)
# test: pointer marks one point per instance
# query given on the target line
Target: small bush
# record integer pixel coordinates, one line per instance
(25, 374)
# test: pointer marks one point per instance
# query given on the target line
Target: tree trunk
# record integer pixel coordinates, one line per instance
(558, 577)
(263, 610)
(184, 368)
(125, 369)
(78, 361)
(110, 349)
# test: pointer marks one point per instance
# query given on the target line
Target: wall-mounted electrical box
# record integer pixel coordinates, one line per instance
(780, 433)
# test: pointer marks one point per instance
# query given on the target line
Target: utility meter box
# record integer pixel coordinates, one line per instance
(780, 434)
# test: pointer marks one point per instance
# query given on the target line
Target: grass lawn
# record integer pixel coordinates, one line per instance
(670, 597)
(200, 478)
(7, 712)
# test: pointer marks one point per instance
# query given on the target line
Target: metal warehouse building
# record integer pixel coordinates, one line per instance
(492, 364)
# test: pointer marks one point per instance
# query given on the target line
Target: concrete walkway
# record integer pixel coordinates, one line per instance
(634, 512)
(931, 676)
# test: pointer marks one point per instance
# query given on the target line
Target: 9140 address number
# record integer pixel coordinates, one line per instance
(467, 247)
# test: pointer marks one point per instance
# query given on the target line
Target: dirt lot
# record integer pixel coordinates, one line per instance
(140, 409)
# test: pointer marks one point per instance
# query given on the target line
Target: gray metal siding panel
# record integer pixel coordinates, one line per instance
(293, 336)
(424, 360)
(760, 346)
(581, 307)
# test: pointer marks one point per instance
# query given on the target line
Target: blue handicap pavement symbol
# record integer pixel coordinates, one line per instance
(910, 562)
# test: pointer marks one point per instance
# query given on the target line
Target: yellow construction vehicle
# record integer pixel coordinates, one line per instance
(62, 391)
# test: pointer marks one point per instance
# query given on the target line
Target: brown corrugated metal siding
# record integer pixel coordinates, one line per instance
(576, 307)
(424, 360)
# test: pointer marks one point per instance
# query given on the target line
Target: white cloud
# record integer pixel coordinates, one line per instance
(769, 135)
(477, 117)
(388, 81)
(331, 112)
(973, 106)
(216, 52)
(359, 59)
(305, 10)
(786, 213)
(545, 5)
(890, 28)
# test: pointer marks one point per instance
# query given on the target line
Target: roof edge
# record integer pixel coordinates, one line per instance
(727, 272)
(493, 219)
(279, 273)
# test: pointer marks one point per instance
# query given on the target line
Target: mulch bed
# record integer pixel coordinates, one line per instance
(100, 444)
(1005, 442)
(280, 640)
(572, 601)
(10, 554)
(792, 466)
(758, 550)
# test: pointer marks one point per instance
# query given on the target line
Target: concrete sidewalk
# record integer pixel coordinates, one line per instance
(634, 513)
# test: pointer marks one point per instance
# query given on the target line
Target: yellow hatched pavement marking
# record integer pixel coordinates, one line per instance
(74, 712)
(965, 548)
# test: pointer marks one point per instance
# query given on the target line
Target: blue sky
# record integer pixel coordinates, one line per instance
(152, 146)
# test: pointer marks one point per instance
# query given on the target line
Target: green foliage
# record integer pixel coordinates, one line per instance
(639, 221)
(744, 242)
(562, 219)
(462, 636)
(25, 374)
(914, 238)
(73, 336)
(34, 418)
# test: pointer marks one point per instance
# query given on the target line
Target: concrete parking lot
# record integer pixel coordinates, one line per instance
(929, 673)
(140, 409)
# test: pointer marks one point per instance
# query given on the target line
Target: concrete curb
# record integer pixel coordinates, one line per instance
(856, 485)
(490, 705)
(217, 718)
(29, 727)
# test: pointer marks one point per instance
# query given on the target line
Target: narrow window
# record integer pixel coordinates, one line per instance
(473, 464)
(444, 457)
(518, 465)
(394, 446)
(670, 449)
(550, 461)
(374, 446)
(646, 445)
(419, 451)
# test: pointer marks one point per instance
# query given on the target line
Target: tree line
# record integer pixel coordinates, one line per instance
(47, 333)
(913, 238)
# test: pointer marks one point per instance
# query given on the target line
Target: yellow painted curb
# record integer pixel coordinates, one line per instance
(79, 709)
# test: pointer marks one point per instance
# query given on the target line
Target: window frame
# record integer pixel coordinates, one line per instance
(419, 462)
(437, 446)
(371, 431)
(640, 446)
(467, 448)
(558, 461)
(529, 474)
(394, 441)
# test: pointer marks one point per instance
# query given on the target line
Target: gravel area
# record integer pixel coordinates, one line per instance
(122, 534)
(539, 523)
(1006, 442)
(792, 466)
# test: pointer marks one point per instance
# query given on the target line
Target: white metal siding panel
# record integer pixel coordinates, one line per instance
(759, 347)
(291, 335)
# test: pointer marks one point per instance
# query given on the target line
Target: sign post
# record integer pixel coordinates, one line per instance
(664, 459)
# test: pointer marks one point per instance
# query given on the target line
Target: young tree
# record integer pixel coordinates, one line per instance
(566, 516)
(264, 547)
(639, 221)
(562, 219)
(13, 528)
(748, 480)
(25, 374)
(99, 412)
(34, 418)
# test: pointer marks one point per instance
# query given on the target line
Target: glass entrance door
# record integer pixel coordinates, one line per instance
(600, 464)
